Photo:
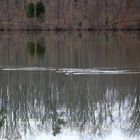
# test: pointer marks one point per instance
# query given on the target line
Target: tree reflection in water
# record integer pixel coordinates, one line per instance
(36, 48)
(55, 103)
(134, 113)
(50, 102)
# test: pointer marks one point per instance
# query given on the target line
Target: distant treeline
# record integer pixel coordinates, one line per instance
(69, 15)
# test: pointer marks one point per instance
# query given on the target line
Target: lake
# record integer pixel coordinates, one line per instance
(70, 85)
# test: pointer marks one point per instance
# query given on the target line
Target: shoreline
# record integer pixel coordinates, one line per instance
(69, 30)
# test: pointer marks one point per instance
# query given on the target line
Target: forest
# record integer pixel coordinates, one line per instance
(69, 14)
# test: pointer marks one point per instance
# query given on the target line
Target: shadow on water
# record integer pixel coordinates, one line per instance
(90, 106)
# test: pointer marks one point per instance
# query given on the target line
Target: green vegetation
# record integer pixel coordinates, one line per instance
(36, 49)
(57, 124)
(2, 116)
(40, 9)
(40, 47)
(31, 47)
(30, 10)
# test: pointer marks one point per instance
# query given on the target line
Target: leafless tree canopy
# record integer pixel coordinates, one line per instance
(72, 14)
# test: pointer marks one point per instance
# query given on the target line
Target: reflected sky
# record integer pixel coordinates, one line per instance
(116, 134)
(52, 86)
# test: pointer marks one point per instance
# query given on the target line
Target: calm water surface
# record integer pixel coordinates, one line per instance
(70, 86)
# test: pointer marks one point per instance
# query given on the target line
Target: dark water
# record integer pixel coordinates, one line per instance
(63, 86)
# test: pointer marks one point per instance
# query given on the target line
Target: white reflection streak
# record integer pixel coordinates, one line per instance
(75, 71)
(115, 135)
